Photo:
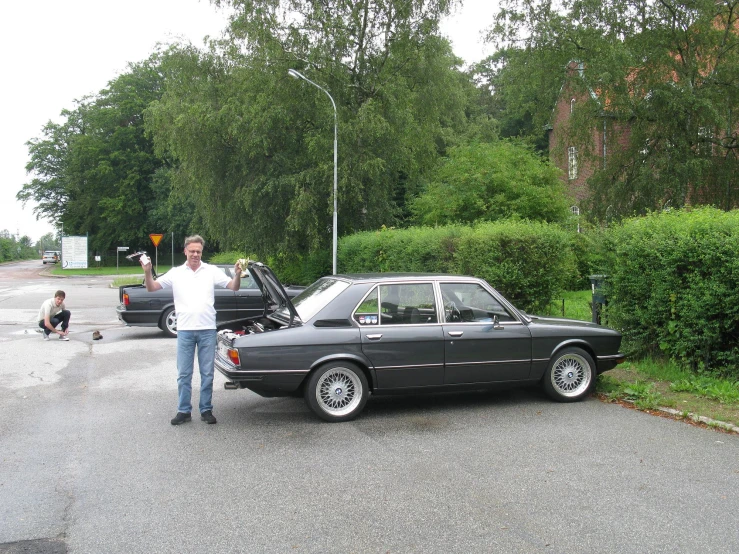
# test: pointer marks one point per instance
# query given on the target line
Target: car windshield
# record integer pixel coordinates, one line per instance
(309, 302)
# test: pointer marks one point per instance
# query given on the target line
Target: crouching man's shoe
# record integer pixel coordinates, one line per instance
(181, 417)
(208, 417)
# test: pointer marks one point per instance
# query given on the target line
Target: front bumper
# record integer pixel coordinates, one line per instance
(609, 362)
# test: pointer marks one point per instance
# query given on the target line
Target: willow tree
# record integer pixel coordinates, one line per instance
(254, 147)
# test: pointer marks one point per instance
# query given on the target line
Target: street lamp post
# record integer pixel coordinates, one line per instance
(298, 75)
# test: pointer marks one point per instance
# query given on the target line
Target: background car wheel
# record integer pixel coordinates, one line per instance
(570, 376)
(337, 391)
(168, 323)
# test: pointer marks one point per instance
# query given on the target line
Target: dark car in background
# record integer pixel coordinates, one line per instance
(141, 308)
(348, 336)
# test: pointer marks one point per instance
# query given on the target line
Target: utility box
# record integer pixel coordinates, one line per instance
(597, 283)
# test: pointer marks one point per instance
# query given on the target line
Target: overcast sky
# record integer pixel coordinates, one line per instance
(55, 51)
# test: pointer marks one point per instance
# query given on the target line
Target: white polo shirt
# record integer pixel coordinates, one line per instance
(194, 294)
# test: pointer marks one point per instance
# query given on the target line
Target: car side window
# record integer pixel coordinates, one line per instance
(404, 304)
(401, 304)
(367, 312)
(246, 282)
(470, 302)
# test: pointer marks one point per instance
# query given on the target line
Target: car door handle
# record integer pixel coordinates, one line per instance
(456, 333)
(378, 336)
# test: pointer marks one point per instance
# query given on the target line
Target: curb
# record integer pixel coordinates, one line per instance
(676, 414)
(701, 419)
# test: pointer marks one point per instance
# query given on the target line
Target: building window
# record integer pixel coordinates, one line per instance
(572, 163)
(705, 141)
(572, 105)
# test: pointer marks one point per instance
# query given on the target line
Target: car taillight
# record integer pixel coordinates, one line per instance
(233, 355)
(126, 301)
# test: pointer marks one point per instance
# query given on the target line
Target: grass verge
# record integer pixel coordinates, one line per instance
(650, 385)
(572, 305)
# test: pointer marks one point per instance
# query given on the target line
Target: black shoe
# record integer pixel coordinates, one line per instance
(181, 417)
(208, 417)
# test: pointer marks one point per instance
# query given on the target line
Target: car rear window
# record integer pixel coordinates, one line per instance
(309, 302)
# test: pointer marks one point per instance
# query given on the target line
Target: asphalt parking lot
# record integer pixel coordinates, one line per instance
(89, 462)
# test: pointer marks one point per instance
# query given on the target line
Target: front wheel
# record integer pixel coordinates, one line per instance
(570, 376)
(168, 323)
(337, 391)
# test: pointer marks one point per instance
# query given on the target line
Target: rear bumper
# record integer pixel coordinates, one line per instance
(263, 382)
(138, 318)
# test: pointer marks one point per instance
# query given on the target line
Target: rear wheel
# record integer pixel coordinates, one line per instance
(570, 376)
(337, 391)
(168, 323)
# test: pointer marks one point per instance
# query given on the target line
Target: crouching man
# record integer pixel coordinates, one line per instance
(52, 313)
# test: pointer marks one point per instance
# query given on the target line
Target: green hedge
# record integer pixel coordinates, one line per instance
(528, 262)
(674, 286)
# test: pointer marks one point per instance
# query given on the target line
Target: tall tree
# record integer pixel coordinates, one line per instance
(667, 71)
(96, 171)
(255, 147)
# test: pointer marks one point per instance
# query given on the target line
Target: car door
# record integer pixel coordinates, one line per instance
(484, 342)
(401, 335)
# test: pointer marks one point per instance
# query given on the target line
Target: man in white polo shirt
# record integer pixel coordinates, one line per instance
(193, 285)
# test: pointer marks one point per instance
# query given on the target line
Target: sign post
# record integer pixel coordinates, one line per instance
(156, 238)
(119, 249)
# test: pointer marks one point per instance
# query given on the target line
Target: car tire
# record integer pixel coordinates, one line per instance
(570, 376)
(337, 391)
(168, 323)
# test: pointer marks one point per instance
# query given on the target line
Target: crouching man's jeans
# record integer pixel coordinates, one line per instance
(187, 341)
(62, 317)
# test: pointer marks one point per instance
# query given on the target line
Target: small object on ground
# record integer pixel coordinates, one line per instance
(96, 335)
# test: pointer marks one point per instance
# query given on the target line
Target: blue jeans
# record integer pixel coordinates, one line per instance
(205, 340)
(62, 317)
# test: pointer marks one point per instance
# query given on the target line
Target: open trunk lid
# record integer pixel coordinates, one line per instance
(272, 290)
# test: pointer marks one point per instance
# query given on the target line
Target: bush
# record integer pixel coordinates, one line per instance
(674, 286)
(300, 269)
(418, 249)
(528, 262)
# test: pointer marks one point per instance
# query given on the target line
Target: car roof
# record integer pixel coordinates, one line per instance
(395, 277)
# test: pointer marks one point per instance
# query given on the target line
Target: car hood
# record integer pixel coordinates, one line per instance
(272, 290)
(563, 322)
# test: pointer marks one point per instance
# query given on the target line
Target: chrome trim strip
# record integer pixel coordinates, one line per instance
(610, 357)
(265, 371)
(490, 362)
(389, 367)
